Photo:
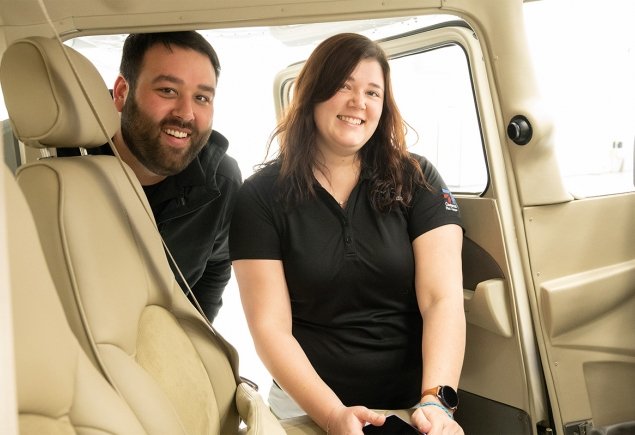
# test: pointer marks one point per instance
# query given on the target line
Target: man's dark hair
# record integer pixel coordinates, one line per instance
(136, 45)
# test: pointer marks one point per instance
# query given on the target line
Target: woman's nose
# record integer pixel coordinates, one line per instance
(358, 100)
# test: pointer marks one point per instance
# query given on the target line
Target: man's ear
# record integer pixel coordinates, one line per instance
(120, 92)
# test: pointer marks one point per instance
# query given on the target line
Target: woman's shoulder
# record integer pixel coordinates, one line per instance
(427, 167)
(423, 162)
(266, 174)
(262, 183)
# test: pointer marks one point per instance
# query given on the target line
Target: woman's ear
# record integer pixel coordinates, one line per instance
(120, 92)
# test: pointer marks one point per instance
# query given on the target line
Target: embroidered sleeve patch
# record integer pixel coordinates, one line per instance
(450, 202)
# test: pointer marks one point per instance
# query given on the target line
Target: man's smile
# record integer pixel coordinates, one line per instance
(176, 133)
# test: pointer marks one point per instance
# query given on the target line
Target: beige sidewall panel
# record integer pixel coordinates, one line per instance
(582, 256)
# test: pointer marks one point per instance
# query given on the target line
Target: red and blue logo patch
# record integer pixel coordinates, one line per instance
(450, 202)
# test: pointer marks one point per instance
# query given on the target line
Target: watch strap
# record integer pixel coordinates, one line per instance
(434, 391)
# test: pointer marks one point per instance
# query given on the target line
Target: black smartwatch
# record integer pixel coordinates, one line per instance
(446, 395)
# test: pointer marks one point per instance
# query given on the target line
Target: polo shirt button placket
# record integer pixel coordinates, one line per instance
(348, 238)
(348, 245)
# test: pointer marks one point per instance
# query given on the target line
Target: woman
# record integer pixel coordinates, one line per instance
(347, 252)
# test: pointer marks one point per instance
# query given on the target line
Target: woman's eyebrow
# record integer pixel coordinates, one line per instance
(373, 84)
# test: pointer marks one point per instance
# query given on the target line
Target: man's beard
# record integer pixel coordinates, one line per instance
(142, 136)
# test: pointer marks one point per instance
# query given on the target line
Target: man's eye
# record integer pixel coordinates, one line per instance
(167, 91)
(204, 99)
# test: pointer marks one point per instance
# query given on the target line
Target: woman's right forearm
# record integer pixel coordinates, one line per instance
(267, 306)
(292, 370)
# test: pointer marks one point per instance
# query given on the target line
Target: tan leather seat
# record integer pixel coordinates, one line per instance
(59, 390)
(108, 263)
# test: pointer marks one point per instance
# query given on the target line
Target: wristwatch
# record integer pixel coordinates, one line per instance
(446, 395)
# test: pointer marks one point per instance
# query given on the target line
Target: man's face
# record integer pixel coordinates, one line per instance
(167, 118)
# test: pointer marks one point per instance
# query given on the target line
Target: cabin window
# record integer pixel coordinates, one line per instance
(250, 59)
(585, 66)
(433, 89)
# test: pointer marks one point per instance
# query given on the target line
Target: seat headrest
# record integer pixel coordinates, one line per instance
(46, 105)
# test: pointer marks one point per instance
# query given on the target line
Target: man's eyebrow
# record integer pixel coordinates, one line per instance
(167, 78)
(178, 81)
(207, 88)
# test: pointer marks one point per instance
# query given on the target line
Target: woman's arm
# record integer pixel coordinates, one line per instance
(265, 299)
(439, 287)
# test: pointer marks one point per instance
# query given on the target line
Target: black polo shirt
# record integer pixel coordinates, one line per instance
(350, 274)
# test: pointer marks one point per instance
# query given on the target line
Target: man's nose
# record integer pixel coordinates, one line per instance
(183, 109)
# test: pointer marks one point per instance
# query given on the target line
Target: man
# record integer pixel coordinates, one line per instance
(165, 93)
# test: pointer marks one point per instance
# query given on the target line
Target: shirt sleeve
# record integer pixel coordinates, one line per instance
(216, 270)
(432, 206)
(210, 286)
(255, 231)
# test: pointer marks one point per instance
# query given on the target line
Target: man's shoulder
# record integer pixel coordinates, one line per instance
(215, 160)
(228, 167)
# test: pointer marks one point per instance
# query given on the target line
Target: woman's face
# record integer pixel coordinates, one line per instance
(347, 120)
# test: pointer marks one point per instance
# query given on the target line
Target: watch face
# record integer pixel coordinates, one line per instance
(449, 396)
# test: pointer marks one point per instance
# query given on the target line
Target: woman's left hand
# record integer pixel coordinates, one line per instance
(432, 420)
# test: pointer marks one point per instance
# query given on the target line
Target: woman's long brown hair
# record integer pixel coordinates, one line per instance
(393, 172)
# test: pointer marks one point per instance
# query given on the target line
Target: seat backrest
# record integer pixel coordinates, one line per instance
(99, 237)
(59, 390)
